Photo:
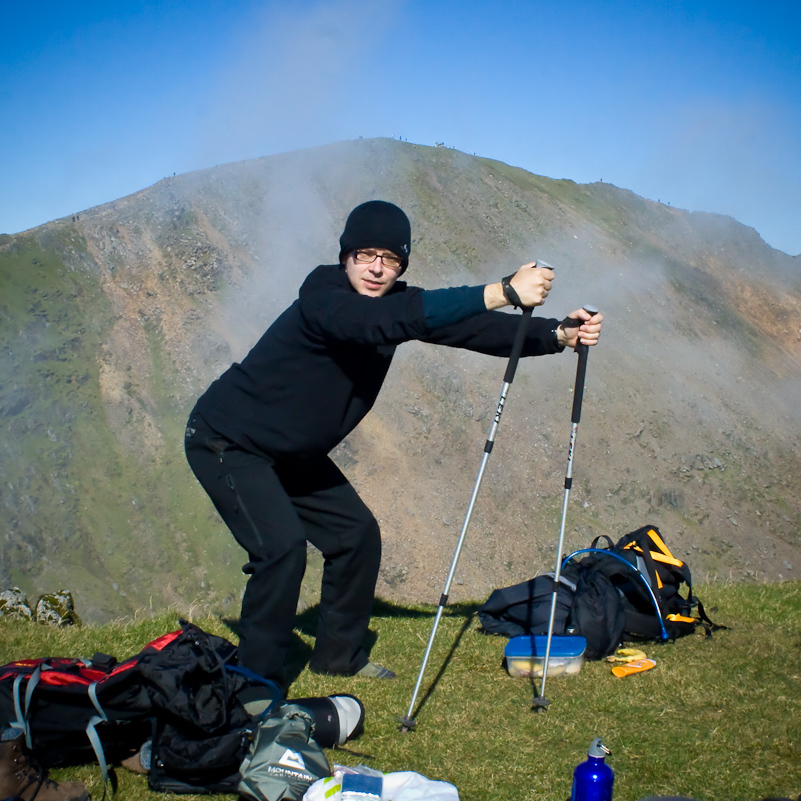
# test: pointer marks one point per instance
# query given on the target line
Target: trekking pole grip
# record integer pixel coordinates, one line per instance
(517, 346)
(578, 392)
(520, 337)
(581, 370)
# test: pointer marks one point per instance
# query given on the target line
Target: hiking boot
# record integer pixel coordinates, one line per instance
(22, 777)
(373, 671)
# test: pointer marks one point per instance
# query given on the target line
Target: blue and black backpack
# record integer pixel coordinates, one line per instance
(634, 589)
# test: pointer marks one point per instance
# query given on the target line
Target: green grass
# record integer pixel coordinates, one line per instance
(717, 720)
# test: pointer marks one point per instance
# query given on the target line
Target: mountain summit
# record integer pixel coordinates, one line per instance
(115, 320)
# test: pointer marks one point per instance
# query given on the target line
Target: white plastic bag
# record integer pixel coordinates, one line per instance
(409, 786)
(400, 786)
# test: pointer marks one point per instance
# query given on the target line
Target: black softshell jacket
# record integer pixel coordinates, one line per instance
(317, 370)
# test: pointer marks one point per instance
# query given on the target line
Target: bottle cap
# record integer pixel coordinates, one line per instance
(598, 749)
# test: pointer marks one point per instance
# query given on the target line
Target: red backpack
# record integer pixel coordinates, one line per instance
(181, 691)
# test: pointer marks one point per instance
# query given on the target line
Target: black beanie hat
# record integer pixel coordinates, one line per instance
(377, 224)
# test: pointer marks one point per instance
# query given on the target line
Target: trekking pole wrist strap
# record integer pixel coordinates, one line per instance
(510, 293)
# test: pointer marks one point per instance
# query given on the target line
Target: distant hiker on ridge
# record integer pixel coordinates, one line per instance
(258, 439)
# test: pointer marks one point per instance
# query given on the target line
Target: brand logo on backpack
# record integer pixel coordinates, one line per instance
(292, 759)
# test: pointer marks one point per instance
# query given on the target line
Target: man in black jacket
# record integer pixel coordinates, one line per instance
(259, 437)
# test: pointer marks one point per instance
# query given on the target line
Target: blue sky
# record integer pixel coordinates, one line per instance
(696, 104)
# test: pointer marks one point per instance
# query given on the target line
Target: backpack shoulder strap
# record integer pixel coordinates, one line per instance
(647, 542)
(639, 541)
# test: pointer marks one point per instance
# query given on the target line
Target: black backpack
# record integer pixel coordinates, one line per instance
(633, 589)
(78, 710)
(525, 608)
(587, 603)
(181, 691)
(654, 589)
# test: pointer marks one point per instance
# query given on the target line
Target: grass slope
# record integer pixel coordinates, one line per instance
(717, 720)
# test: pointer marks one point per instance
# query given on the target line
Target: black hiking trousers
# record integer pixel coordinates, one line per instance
(273, 508)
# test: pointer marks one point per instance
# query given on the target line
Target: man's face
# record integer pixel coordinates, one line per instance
(368, 274)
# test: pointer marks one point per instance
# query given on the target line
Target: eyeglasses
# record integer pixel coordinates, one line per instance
(389, 260)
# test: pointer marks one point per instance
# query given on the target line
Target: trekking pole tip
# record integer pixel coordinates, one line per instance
(540, 704)
(407, 723)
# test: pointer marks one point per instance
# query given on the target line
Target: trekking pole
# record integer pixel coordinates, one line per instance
(540, 702)
(407, 721)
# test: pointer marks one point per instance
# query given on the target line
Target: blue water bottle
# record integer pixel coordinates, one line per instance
(593, 779)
